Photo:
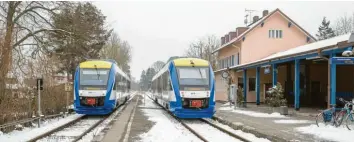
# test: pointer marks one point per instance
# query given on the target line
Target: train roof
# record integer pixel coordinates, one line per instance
(190, 62)
(182, 62)
(96, 64)
(103, 64)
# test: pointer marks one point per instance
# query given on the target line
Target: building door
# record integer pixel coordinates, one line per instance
(317, 98)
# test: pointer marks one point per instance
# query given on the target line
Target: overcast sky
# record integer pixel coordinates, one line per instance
(158, 30)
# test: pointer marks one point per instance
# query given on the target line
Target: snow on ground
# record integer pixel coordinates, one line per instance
(210, 133)
(328, 132)
(148, 102)
(245, 135)
(292, 121)
(253, 113)
(89, 136)
(227, 104)
(28, 133)
(165, 129)
(68, 134)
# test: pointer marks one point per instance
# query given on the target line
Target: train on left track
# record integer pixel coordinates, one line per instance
(99, 87)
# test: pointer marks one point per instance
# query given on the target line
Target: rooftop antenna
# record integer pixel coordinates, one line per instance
(246, 21)
(249, 11)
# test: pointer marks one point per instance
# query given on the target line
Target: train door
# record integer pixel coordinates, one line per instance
(165, 86)
(169, 87)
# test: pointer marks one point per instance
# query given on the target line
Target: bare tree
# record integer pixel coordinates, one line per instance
(344, 25)
(26, 21)
(118, 50)
(203, 48)
(157, 65)
(23, 23)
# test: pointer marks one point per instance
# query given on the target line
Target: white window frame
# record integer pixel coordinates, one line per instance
(278, 34)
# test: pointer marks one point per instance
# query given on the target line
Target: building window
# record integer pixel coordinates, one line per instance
(275, 34)
(238, 58)
(252, 83)
(229, 61)
(240, 82)
(270, 34)
(232, 60)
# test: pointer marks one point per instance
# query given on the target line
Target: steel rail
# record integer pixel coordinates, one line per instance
(205, 121)
(77, 138)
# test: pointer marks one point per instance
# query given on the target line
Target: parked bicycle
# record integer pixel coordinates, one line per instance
(328, 116)
(346, 112)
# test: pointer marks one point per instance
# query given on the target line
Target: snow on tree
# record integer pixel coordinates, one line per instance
(325, 31)
(276, 96)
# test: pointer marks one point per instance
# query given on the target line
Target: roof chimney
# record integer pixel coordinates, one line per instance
(240, 30)
(232, 35)
(227, 39)
(265, 13)
(255, 18)
(222, 40)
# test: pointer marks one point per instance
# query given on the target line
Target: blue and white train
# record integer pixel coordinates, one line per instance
(186, 87)
(99, 87)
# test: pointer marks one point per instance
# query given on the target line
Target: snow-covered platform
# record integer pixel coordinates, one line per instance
(276, 127)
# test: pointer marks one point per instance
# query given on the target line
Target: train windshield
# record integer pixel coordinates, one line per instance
(193, 77)
(93, 79)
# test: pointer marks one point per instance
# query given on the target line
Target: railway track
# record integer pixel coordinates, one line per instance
(203, 129)
(78, 128)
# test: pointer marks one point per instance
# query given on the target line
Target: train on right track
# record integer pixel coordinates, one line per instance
(186, 88)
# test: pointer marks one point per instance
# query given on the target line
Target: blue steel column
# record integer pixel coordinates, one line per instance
(297, 85)
(274, 70)
(245, 87)
(257, 86)
(333, 70)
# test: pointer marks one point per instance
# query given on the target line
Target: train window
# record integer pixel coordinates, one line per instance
(164, 80)
(169, 84)
(159, 84)
(115, 85)
(123, 84)
(154, 86)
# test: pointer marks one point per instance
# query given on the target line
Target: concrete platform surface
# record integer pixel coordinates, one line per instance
(266, 126)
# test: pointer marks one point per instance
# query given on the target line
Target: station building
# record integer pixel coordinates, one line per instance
(275, 49)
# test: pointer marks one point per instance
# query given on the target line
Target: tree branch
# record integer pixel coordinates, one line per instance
(31, 9)
(45, 20)
(36, 32)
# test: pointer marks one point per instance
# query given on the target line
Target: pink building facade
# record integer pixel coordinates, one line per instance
(272, 33)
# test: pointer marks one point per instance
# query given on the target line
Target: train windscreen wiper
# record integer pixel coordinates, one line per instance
(201, 76)
(98, 74)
